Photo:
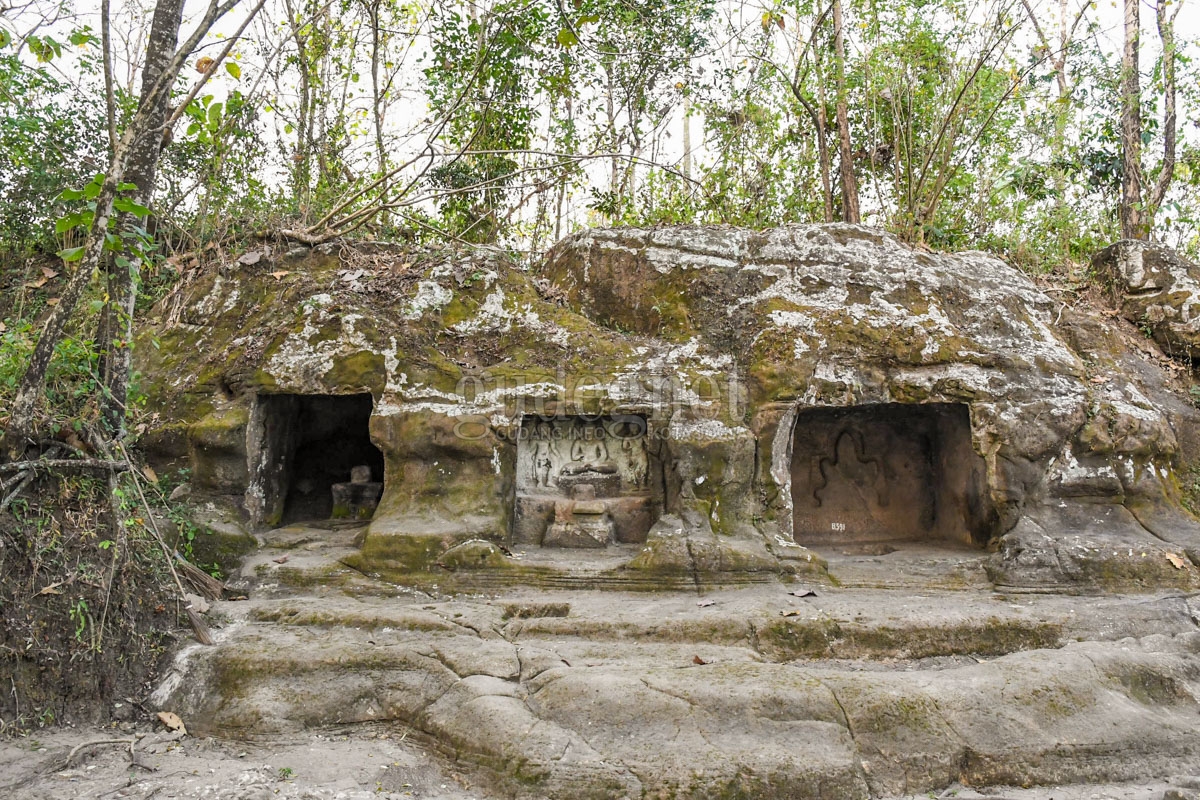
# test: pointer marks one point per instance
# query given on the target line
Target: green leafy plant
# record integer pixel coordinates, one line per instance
(78, 613)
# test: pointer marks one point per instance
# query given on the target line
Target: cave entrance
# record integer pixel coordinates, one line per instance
(888, 472)
(308, 455)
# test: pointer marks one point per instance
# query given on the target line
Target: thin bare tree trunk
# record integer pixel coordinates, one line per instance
(816, 111)
(611, 116)
(850, 212)
(302, 158)
(1130, 210)
(20, 420)
(377, 99)
(116, 325)
(17, 435)
(687, 135)
(1166, 32)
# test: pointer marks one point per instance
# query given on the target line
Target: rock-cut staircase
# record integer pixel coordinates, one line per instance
(771, 690)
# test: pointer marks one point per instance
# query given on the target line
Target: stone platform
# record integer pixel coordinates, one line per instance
(773, 690)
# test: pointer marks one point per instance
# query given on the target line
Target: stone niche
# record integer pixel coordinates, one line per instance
(888, 473)
(585, 482)
(311, 458)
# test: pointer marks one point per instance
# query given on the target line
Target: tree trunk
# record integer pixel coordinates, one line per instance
(116, 324)
(17, 435)
(377, 98)
(1130, 210)
(687, 134)
(302, 158)
(850, 212)
(816, 110)
(1166, 32)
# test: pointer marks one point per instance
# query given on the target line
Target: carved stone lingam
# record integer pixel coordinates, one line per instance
(583, 482)
(358, 498)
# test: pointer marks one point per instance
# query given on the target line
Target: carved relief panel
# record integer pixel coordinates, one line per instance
(583, 481)
(553, 455)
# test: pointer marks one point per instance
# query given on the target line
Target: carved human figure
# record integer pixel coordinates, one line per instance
(634, 449)
(589, 451)
(543, 455)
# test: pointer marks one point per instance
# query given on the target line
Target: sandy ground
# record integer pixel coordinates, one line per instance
(361, 762)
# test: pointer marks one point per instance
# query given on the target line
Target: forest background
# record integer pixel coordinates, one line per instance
(987, 124)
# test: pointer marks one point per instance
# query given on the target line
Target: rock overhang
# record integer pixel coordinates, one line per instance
(717, 336)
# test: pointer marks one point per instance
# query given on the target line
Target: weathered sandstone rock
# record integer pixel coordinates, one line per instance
(731, 401)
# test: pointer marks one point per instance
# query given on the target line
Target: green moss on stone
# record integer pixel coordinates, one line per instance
(362, 369)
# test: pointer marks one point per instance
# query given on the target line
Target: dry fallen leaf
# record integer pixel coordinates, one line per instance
(150, 474)
(1101, 379)
(1176, 560)
(39, 283)
(793, 613)
(281, 560)
(3, 327)
(699, 660)
(49, 273)
(172, 721)
(51, 589)
(53, 301)
(72, 439)
(280, 274)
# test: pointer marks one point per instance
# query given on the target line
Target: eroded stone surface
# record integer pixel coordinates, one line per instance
(1155, 289)
(748, 692)
(720, 339)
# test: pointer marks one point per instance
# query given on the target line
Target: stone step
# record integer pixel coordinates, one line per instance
(581, 686)
(566, 706)
(780, 622)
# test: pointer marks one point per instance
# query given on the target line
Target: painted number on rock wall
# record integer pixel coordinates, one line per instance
(838, 526)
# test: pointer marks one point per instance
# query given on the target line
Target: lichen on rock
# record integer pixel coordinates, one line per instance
(722, 343)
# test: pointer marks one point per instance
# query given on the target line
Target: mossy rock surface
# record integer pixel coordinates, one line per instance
(699, 329)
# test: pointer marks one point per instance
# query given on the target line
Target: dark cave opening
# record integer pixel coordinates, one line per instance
(309, 443)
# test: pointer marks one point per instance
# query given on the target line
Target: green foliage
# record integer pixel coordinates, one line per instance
(71, 381)
(50, 137)
(483, 81)
(521, 119)
(80, 609)
(214, 174)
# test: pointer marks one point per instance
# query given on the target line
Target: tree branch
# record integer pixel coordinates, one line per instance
(1166, 32)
